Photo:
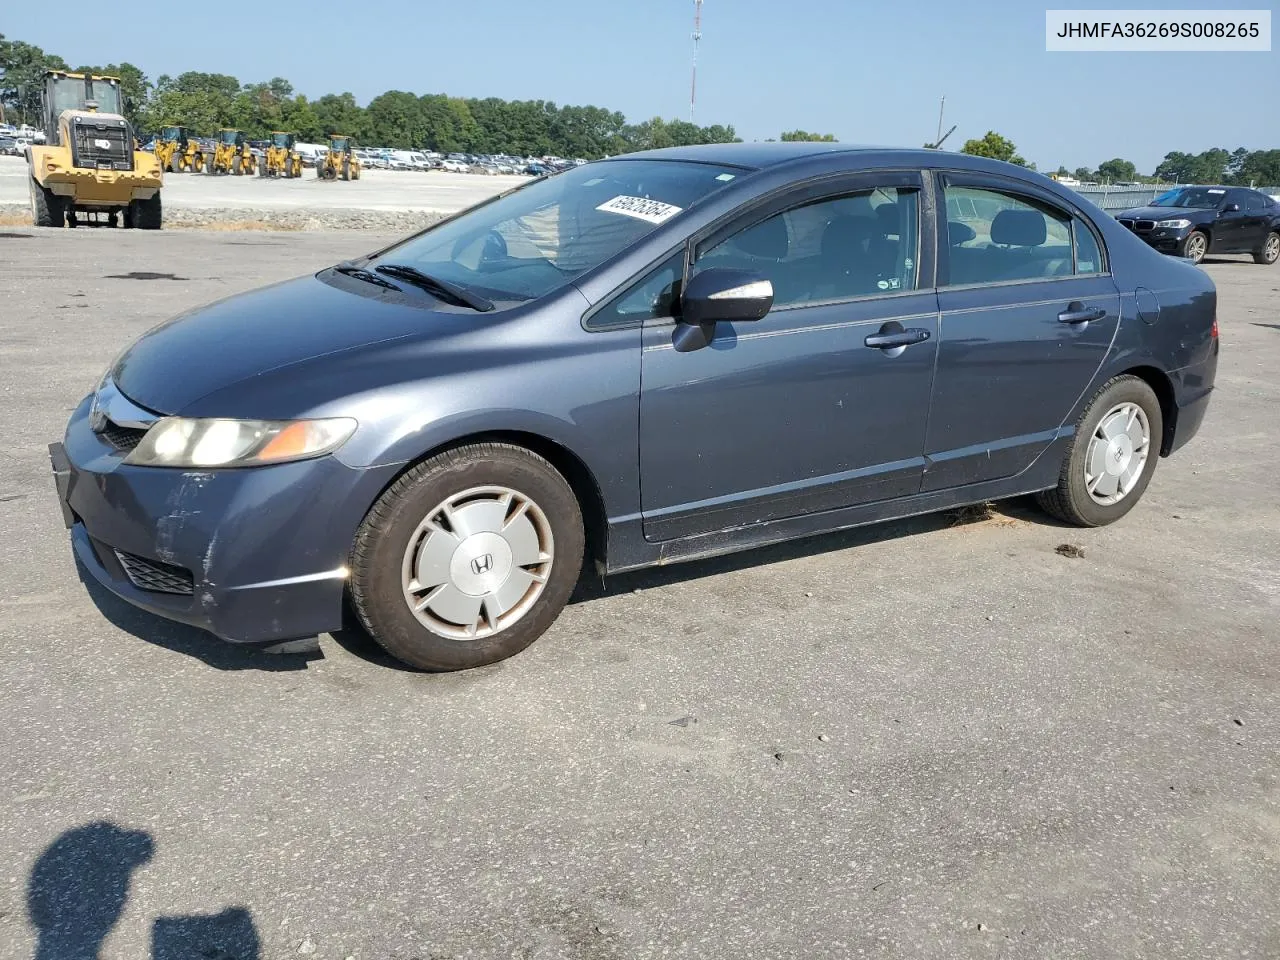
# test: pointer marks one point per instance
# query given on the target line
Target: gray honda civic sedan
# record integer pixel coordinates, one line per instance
(647, 359)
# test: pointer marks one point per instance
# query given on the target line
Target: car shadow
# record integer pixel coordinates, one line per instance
(183, 639)
(79, 887)
(590, 587)
(1269, 326)
(1223, 260)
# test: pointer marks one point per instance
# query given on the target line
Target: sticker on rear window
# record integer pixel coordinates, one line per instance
(653, 211)
(1217, 191)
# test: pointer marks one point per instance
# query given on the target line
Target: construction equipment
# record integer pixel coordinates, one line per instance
(177, 152)
(231, 154)
(340, 162)
(89, 163)
(280, 158)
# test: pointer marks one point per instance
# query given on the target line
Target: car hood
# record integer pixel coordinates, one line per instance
(215, 347)
(1167, 213)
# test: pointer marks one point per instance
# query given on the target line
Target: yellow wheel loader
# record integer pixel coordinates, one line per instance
(89, 164)
(280, 158)
(340, 162)
(231, 154)
(177, 152)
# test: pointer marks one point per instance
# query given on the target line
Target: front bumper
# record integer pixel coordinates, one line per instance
(263, 549)
(1164, 239)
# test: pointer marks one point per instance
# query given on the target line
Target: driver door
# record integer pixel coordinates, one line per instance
(796, 413)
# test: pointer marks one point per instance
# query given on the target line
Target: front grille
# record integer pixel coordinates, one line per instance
(104, 145)
(1126, 223)
(1144, 226)
(122, 438)
(155, 576)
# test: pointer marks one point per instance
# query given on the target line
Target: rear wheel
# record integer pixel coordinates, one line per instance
(146, 214)
(237, 166)
(1269, 252)
(1195, 246)
(208, 164)
(1112, 456)
(47, 208)
(346, 168)
(467, 558)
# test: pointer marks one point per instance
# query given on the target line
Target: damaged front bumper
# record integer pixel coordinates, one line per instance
(254, 555)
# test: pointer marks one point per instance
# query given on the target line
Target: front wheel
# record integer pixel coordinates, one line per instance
(467, 558)
(1195, 246)
(1269, 252)
(47, 208)
(1112, 456)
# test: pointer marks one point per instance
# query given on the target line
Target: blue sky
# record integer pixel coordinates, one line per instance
(866, 72)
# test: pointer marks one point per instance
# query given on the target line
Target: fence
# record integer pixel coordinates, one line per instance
(1113, 199)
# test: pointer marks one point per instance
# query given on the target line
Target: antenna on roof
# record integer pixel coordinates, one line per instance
(937, 144)
(697, 35)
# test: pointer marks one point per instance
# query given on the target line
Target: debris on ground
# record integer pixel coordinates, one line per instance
(1071, 550)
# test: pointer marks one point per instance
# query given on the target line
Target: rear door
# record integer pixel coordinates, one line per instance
(1256, 222)
(1028, 312)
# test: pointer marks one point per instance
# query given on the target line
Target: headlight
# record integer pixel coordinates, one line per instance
(1178, 224)
(181, 442)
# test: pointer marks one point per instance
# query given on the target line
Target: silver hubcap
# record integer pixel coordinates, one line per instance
(1117, 453)
(1273, 247)
(1195, 247)
(477, 562)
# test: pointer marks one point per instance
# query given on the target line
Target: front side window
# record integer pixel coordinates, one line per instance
(860, 244)
(997, 237)
(652, 297)
(540, 237)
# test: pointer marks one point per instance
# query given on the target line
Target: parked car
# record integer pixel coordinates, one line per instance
(9, 147)
(1194, 221)
(734, 345)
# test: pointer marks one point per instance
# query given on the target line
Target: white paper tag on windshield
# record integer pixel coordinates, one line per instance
(654, 211)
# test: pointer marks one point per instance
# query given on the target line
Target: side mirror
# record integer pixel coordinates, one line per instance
(719, 295)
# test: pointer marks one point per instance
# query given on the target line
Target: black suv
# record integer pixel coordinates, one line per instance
(1193, 221)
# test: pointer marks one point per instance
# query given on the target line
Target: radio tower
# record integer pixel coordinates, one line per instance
(697, 35)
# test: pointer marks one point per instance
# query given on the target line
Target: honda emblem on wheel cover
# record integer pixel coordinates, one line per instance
(482, 564)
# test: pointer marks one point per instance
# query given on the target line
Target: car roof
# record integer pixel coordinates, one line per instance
(759, 156)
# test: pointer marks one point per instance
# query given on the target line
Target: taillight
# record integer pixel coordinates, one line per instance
(1213, 331)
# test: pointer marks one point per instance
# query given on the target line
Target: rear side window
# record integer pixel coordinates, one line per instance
(998, 237)
(1257, 202)
(1088, 255)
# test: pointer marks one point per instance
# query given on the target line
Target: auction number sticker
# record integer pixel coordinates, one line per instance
(653, 211)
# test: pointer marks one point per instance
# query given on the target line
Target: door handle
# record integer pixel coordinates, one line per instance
(888, 340)
(1079, 313)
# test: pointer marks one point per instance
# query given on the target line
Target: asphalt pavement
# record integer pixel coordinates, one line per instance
(934, 739)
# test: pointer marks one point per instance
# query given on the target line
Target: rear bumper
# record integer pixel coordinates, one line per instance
(1193, 390)
(263, 550)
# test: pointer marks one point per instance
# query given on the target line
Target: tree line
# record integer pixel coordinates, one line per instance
(205, 102)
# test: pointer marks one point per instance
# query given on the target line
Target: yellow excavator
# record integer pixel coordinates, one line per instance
(89, 164)
(177, 152)
(280, 159)
(340, 162)
(231, 154)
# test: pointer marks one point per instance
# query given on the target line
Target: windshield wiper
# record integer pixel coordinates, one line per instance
(360, 273)
(443, 288)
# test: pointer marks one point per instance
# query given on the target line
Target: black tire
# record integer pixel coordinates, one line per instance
(384, 536)
(175, 164)
(47, 208)
(146, 214)
(237, 166)
(1194, 249)
(208, 164)
(346, 168)
(1070, 500)
(1269, 252)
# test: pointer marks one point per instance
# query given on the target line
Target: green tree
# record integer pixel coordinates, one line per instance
(1084, 173)
(1062, 172)
(1118, 171)
(793, 136)
(1261, 167)
(1207, 167)
(339, 113)
(22, 69)
(994, 146)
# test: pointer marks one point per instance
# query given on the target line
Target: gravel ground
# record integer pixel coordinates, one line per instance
(923, 740)
(380, 200)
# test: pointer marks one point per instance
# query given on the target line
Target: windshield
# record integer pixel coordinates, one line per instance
(71, 93)
(280, 139)
(538, 238)
(338, 144)
(1199, 197)
(228, 136)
